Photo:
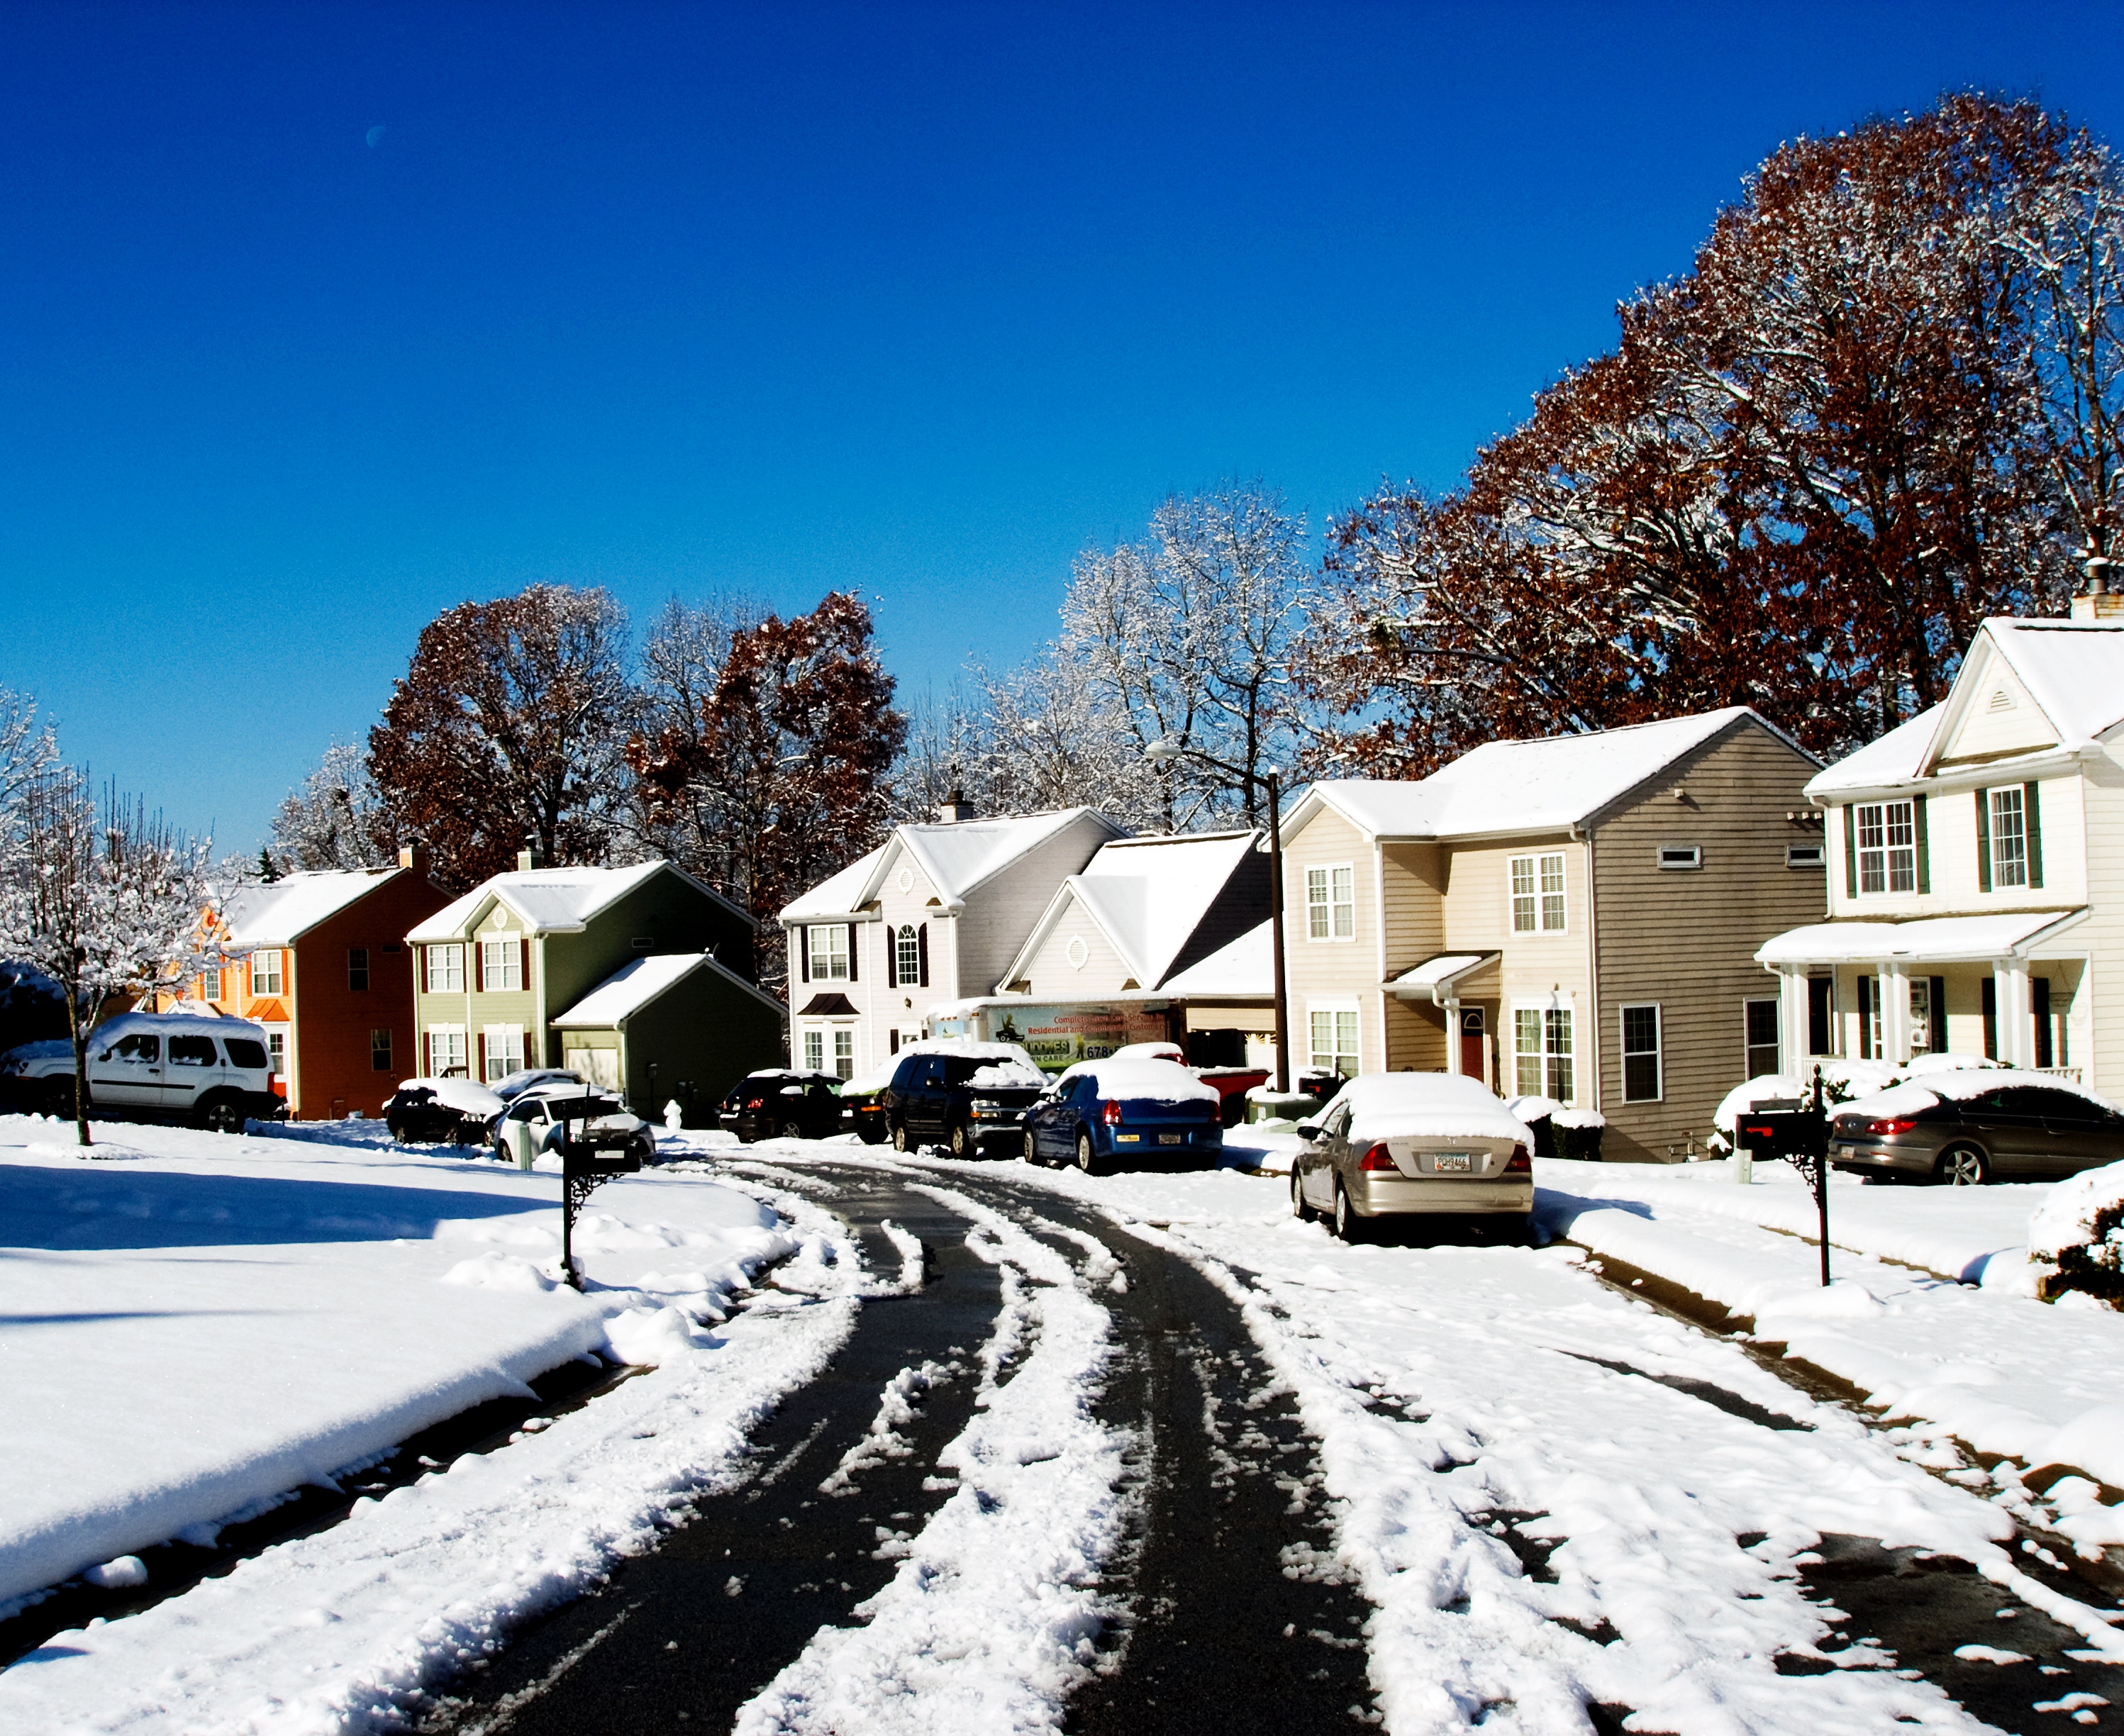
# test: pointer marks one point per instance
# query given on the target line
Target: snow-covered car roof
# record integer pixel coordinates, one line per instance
(1427, 1106)
(1150, 1052)
(464, 1095)
(1014, 1066)
(1961, 1085)
(44, 1049)
(1142, 1078)
(162, 1024)
(523, 1078)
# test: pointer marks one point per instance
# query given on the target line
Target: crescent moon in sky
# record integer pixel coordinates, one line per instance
(375, 136)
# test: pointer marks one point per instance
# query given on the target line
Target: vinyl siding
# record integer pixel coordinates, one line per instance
(1951, 841)
(1686, 940)
(1333, 969)
(2097, 1014)
(1053, 976)
(1535, 968)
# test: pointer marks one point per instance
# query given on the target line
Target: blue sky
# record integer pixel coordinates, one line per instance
(318, 321)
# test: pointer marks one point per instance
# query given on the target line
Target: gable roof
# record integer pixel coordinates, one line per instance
(1147, 895)
(957, 858)
(280, 912)
(1240, 969)
(554, 900)
(1893, 760)
(640, 981)
(1504, 787)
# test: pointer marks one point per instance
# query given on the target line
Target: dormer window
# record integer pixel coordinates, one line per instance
(1888, 847)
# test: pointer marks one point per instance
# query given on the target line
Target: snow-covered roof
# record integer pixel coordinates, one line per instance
(1147, 895)
(1893, 760)
(639, 981)
(1241, 969)
(1438, 972)
(280, 913)
(957, 857)
(1506, 787)
(551, 900)
(2073, 669)
(1934, 940)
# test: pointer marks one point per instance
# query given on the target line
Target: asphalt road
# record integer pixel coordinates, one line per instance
(1230, 1613)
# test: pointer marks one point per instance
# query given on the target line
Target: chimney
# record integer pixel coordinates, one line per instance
(954, 810)
(2095, 600)
(415, 857)
(528, 857)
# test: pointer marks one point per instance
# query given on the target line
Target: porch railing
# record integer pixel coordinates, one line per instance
(2070, 1074)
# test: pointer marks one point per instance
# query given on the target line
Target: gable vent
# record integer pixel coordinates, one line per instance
(2002, 701)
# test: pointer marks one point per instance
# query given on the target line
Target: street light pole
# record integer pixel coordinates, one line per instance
(1164, 752)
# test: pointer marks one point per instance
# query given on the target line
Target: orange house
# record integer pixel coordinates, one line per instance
(320, 960)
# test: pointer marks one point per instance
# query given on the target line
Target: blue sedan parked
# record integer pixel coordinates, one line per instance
(1102, 1114)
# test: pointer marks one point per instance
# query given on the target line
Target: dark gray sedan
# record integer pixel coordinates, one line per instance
(1977, 1127)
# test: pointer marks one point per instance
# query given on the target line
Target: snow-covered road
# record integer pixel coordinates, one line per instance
(1485, 1487)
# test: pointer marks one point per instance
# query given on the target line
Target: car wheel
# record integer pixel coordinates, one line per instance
(962, 1140)
(1087, 1160)
(1962, 1166)
(58, 1098)
(222, 1115)
(1349, 1226)
(870, 1129)
(1298, 1208)
(900, 1139)
(788, 1130)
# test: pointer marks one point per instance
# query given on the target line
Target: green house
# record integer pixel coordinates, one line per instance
(636, 977)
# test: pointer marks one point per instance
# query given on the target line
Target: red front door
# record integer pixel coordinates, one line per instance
(1471, 1044)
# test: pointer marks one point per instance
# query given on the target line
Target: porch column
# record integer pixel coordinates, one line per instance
(1452, 1035)
(1896, 1014)
(1792, 1020)
(2017, 1037)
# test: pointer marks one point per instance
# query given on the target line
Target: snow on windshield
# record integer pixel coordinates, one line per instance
(1428, 1105)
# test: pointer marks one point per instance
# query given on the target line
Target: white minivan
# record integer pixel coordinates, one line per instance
(215, 1072)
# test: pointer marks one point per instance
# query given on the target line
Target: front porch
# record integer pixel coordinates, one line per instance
(1999, 986)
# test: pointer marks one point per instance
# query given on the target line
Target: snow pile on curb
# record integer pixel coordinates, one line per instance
(2079, 1230)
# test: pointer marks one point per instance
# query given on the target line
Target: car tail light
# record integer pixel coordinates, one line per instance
(1521, 1163)
(755, 1103)
(1378, 1159)
(1890, 1126)
(1111, 1114)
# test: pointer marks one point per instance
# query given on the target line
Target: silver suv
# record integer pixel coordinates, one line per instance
(154, 1066)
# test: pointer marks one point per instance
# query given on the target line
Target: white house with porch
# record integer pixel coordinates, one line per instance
(1976, 869)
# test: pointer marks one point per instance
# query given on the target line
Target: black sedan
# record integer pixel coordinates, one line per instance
(782, 1105)
(1966, 1128)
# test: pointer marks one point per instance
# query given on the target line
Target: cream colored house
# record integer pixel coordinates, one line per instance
(934, 914)
(1975, 880)
(1576, 917)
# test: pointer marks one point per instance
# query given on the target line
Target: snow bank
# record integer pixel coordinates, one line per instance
(2079, 1229)
(1142, 1079)
(1427, 1106)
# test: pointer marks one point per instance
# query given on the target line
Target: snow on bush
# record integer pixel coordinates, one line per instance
(2080, 1230)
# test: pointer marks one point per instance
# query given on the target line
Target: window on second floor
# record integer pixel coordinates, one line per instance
(1538, 894)
(501, 964)
(2009, 837)
(1887, 847)
(446, 969)
(357, 967)
(829, 952)
(1331, 903)
(265, 972)
(907, 955)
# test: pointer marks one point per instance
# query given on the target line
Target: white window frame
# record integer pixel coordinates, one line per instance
(1777, 1044)
(1556, 1065)
(459, 1050)
(443, 968)
(1331, 902)
(1657, 1051)
(266, 975)
(210, 983)
(1336, 1011)
(2009, 820)
(276, 1049)
(507, 952)
(815, 1049)
(828, 943)
(1537, 886)
(1888, 847)
(844, 1052)
(906, 954)
(504, 1042)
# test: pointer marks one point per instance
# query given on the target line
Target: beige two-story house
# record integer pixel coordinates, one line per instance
(935, 913)
(1976, 876)
(1576, 917)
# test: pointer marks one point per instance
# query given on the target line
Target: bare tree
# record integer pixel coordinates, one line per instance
(1050, 739)
(337, 819)
(105, 899)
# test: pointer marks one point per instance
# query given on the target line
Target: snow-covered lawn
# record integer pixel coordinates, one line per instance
(193, 1324)
(1979, 1359)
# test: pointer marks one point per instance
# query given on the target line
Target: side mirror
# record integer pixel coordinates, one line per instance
(1309, 1130)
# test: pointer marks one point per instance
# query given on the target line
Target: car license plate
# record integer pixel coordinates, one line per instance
(1847, 1151)
(1450, 1163)
(1172, 1138)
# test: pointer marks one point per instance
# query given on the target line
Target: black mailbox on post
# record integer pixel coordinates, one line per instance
(589, 1159)
(1801, 1137)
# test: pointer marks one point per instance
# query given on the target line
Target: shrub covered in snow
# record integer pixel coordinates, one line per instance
(1559, 1131)
(2079, 1229)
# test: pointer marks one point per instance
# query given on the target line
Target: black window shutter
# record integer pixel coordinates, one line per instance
(891, 955)
(2032, 819)
(1939, 1016)
(1990, 1018)
(803, 952)
(922, 951)
(852, 952)
(1983, 843)
(1925, 843)
(1850, 851)
(1869, 986)
(2039, 988)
